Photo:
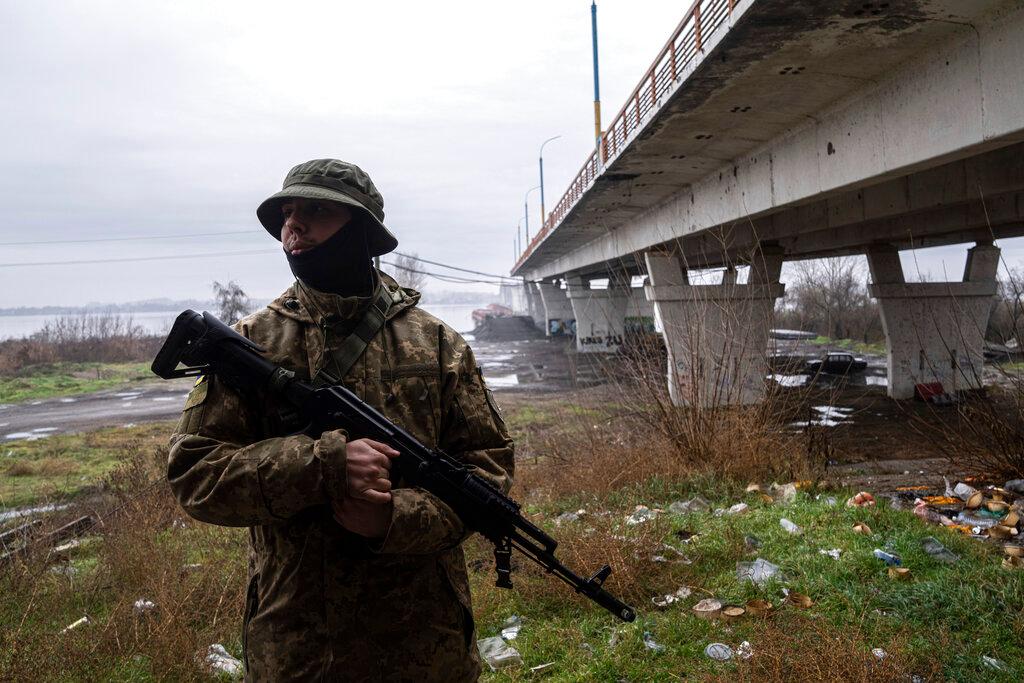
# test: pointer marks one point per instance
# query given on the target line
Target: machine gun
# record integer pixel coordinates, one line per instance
(205, 345)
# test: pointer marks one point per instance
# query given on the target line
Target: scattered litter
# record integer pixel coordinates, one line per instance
(786, 493)
(510, 629)
(733, 611)
(790, 527)
(973, 520)
(758, 572)
(753, 488)
(1015, 486)
(1002, 532)
(219, 660)
(939, 501)
(737, 509)
(1014, 550)
(685, 507)
(588, 648)
(566, 517)
(890, 559)
(751, 543)
(799, 600)
(997, 506)
(650, 643)
(641, 514)
(993, 663)
(930, 516)
(708, 608)
(143, 605)
(831, 501)
(879, 653)
(65, 570)
(683, 559)
(933, 547)
(72, 626)
(719, 652)
(758, 607)
(179, 524)
(834, 553)
(191, 567)
(975, 500)
(862, 528)
(745, 650)
(964, 491)
(66, 547)
(899, 573)
(1013, 562)
(497, 653)
(659, 558)
(861, 500)
(540, 668)
(666, 600)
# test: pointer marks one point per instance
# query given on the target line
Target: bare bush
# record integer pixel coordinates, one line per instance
(408, 271)
(830, 297)
(86, 338)
(232, 303)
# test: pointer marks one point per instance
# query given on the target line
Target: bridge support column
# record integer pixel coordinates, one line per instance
(716, 335)
(558, 316)
(639, 312)
(534, 305)
(934, 331)
(600, 314)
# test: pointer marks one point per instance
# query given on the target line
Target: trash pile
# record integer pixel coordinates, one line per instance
(990, 513)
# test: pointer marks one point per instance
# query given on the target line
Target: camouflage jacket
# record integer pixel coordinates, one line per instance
(322, 602)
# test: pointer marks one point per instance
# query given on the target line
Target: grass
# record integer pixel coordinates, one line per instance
(850, 345)
(66, 379)
(937, 625)
(64, 466)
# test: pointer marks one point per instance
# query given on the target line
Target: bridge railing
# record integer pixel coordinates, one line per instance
(686, 43)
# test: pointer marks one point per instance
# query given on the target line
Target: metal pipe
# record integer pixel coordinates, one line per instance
(597, 80)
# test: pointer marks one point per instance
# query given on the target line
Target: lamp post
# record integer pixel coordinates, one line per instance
(526, 212)
(543, 215)
(519, 237)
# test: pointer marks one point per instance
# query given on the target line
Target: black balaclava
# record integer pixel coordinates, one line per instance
(340, 265)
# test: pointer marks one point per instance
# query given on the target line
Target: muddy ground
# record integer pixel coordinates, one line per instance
(868, 439)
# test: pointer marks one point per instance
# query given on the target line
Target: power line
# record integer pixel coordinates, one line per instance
(127, 239)
(137, 258)
(463, 270)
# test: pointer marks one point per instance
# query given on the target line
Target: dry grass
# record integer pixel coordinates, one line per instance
(806, 649)
(140, 553)
(45, 467)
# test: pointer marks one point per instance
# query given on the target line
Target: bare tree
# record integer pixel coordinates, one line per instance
(1007, 317)
(408, 271)
(831, 297)
(232, 302)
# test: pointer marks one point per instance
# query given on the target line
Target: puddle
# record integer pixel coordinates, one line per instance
(25, 436)
(790, 380)
(36, 403)
(164, 398)
(68, 400)
(876, 381)
(27, 512)
(503, 381)
(44, 430)
(128, 395)
(4, 406)
(827, 416)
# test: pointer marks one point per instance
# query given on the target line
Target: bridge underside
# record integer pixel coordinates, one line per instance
(812, 129)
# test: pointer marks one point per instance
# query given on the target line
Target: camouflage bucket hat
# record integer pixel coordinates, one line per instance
(336, 181)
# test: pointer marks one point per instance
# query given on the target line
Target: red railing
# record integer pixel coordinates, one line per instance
(685, 44)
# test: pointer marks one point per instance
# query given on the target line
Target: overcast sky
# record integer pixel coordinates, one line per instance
(126, 120)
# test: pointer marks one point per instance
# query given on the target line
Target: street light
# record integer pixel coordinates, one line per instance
(519, 237)
(543, 217)
(526, 212)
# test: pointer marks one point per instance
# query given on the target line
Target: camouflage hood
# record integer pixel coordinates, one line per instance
(307, 305)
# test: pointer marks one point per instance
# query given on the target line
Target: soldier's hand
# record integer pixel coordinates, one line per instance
(368, 468)
(363, 517)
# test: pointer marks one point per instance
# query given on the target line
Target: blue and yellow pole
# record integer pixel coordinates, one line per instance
(597, 86)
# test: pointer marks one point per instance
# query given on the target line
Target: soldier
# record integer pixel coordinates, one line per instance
(353, 576)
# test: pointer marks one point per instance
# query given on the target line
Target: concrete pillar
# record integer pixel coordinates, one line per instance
(534, 305)
(600, 314)
(716, 335)
(558, 316)
(934, 331)
(639, 312)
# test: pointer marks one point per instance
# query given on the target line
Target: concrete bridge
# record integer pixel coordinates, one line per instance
(768, 130)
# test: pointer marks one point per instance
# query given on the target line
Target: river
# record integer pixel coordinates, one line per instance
(458, 316)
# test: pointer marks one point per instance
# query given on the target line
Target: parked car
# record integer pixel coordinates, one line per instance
(836, 363)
